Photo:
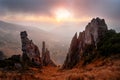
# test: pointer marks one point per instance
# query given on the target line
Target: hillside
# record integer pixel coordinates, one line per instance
(93, 55)
(94, 42)
(10, 41)
(102, 69)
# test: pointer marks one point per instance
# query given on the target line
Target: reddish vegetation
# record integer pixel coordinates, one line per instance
(102, 69)
(83, 61)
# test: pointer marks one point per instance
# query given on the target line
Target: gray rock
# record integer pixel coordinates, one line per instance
(31, 53)
(82, 49)
(46, 60)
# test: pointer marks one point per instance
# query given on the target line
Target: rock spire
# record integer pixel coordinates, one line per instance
(83, 47)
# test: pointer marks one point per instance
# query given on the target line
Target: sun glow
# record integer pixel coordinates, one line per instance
(59, 15)
(62, 14)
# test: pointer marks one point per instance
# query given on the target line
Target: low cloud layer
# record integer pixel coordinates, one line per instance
(28, 6)
(108, 9)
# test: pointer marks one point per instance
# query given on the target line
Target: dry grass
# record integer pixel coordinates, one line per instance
(108, 69)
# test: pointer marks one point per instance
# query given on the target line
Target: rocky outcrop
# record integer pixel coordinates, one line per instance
(72, 56)
(96, 29)
(31, 54)
(83, 48)
(46, 60)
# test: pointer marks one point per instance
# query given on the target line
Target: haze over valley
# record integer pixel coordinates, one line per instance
(10, 42)
(59, 39)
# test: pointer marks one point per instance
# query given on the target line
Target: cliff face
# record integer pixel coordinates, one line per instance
(83, 48)
(95, 29)
(31, 53)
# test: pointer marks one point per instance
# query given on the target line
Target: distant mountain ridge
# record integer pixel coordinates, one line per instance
(10, 40)
(93, 55)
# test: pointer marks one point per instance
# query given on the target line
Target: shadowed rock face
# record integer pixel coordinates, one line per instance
(46, 60)
(72, 56)
(31, 52)
(83, 48)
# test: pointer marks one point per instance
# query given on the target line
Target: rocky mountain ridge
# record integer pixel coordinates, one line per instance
(85, 44)
(88, 57)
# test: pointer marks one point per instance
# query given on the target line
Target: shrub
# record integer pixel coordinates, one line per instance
(110, 43)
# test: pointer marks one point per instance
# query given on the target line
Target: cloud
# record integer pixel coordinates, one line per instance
(29, 6)
(90, 8)
(105, 8)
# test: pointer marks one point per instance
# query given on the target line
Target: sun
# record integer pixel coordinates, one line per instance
(62, 14)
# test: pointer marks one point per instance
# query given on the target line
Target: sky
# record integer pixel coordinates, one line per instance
(60, 16)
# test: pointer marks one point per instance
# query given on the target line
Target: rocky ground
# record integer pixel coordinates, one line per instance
(101, 69)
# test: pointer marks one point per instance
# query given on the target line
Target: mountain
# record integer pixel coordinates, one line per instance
(93, 55)
(94, 41)
(10, 43)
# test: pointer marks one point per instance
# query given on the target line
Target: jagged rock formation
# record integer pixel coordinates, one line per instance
(83, 48)
(96, 29)
(46, 60)
(31, 52)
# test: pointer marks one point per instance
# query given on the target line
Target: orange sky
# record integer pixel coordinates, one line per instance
(55, 18)
(49, 14)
